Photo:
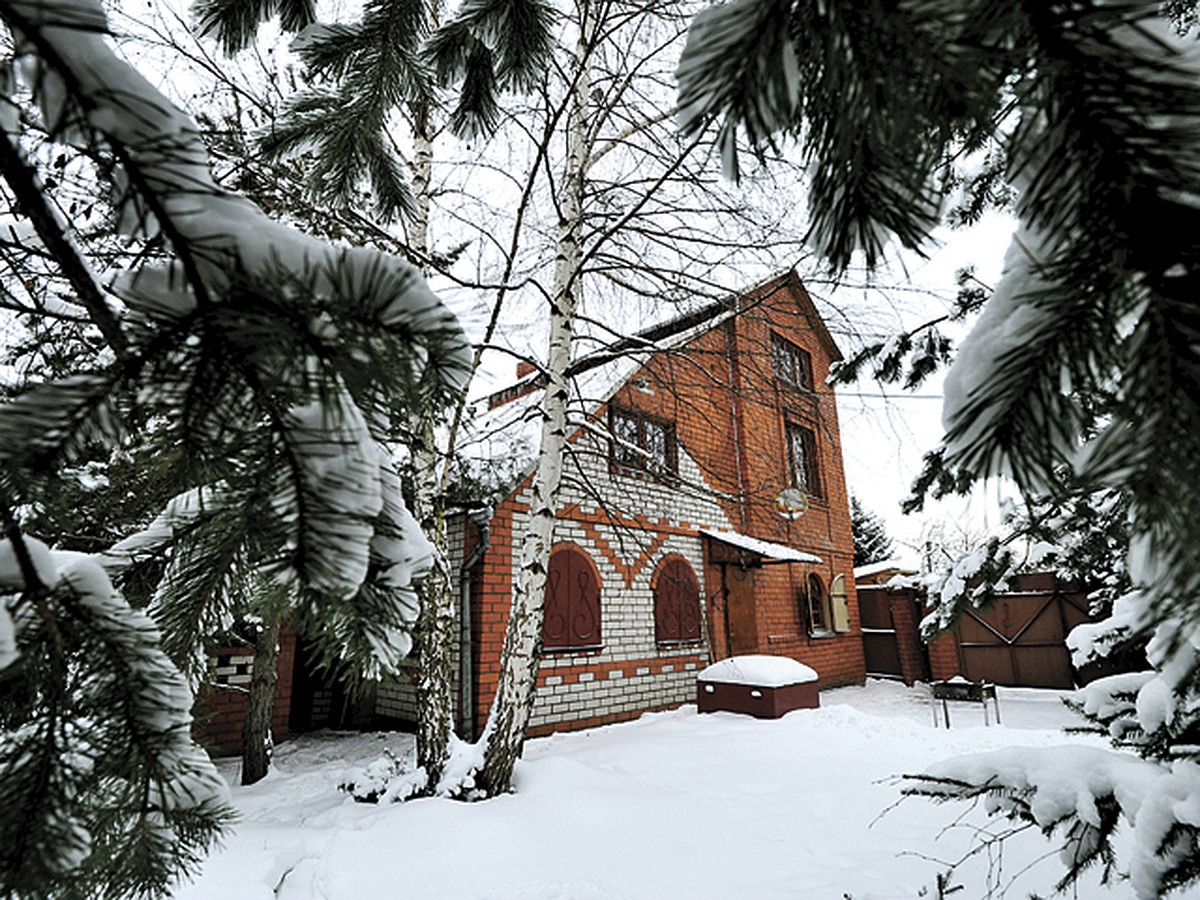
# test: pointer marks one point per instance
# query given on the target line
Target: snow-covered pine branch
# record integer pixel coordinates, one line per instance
(104, 786)
(267, 367)
(1085, 360)
(1081, 795)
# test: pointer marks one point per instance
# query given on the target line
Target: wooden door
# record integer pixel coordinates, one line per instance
(740, 621)
(880, 643)
(1021, 641)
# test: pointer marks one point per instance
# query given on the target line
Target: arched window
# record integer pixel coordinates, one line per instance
(819, 621)
(676, 602)
(572, 619)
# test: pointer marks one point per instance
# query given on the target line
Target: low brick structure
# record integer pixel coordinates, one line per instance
(761, 686)
(220, 709)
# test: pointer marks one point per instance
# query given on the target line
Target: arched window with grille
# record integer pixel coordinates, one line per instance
(572, 615)
(676, 602)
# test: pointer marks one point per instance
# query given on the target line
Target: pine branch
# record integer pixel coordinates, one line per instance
(234, 23)
(31, 196)
(489, 47)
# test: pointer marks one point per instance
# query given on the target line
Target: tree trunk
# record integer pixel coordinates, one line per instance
(435, 624)
(260, 703)
(504, 736)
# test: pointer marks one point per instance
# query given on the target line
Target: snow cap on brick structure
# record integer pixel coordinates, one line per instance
(766, 549)
(758, 669)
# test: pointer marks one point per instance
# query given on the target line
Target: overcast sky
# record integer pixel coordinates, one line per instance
(886, 431)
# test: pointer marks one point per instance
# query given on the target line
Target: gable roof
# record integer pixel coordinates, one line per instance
(596, 376)
(672, 332)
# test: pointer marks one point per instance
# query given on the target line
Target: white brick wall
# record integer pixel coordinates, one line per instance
(635, 674)
(627, 611)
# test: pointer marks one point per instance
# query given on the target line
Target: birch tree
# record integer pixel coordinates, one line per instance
(625, 230)
(504, 735)
(377, 87)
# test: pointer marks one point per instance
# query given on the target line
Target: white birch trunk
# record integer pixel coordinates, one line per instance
(504, 736)
(435, 624)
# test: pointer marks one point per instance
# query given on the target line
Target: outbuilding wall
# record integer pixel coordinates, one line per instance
(220, 709)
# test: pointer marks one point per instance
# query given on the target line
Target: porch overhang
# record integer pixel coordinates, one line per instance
(766, 552)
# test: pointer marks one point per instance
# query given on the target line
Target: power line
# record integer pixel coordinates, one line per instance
(890, 396)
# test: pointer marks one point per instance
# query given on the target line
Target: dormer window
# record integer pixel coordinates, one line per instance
(792, 364)
(642, 443)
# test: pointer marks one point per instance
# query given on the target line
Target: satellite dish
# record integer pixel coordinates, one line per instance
(791, 503)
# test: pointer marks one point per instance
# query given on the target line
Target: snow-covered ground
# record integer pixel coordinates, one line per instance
(674, 805)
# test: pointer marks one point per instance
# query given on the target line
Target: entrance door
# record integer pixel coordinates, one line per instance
(739, 610)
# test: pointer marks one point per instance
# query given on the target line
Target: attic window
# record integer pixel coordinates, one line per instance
(642, 443)
(792, 364)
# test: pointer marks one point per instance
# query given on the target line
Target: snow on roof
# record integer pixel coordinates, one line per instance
(760, 670)
(899, 564)
(779, 552)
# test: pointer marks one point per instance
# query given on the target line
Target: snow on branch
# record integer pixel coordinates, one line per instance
(1083, 793)
(218, 234)
(113, 754)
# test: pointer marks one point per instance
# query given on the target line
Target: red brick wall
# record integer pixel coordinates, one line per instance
(220, 708)
(943, 657)
(906, 616)
(748, 462)
(490, 604)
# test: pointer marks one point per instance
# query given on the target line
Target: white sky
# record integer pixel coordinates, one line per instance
(886, 431)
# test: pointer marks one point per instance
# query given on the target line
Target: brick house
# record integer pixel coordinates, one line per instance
(673, 546)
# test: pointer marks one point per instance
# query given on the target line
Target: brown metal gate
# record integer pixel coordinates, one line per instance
(880, 644)
(1021, 641)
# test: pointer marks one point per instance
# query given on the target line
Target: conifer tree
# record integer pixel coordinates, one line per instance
(371, 79)
(871, 541)
(1092, 107)
(264, 360)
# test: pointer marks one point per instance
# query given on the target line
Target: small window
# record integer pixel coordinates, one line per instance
(802, 460)
(572, 613)
(642, 443)
(792, 364)
(819, 619)
(676, 602)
